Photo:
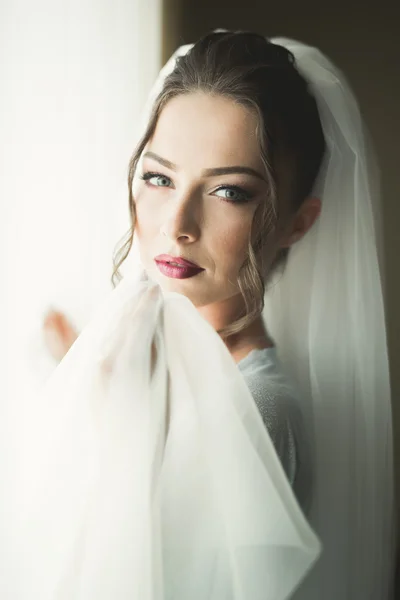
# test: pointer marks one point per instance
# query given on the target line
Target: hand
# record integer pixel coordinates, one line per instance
(59, 334)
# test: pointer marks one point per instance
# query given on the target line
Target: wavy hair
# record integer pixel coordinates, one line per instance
(263, 77)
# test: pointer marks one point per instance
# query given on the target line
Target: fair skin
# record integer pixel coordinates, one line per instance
(184, 211)
(190, 210)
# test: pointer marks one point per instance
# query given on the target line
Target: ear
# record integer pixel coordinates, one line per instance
(301, 221)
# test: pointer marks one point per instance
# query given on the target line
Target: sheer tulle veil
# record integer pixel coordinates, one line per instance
(327, 317)
(133, 475)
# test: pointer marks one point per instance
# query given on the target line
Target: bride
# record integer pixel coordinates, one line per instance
(242, 355)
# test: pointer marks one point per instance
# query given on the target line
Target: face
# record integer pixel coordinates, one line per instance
(196, 190)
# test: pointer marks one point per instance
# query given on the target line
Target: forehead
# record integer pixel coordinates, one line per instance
(207, 130)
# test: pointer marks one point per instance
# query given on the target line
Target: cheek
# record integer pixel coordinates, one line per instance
(145, 220)
(230, 241)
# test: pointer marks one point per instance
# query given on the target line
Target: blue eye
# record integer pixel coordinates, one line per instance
(161, 180)
(233, 194)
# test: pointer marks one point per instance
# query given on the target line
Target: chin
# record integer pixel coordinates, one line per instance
(198, 297)
(198, 293)
(198, 289)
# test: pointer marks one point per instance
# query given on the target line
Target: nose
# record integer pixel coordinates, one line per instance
(182, 221)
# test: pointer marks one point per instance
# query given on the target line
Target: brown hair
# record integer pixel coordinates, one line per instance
(262, 76)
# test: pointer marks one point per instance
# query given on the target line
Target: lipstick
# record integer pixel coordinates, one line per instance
(176, 267)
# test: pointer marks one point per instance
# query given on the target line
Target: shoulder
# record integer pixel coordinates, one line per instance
(280, 408)
(272, 391)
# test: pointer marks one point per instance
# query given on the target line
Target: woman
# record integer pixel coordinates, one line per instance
(222, 184)
(203, 184)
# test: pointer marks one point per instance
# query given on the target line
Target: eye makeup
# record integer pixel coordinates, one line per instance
(237, 194)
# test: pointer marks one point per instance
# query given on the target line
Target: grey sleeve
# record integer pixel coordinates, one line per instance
(276, 414)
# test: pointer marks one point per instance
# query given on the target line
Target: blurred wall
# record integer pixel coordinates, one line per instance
(363, 39)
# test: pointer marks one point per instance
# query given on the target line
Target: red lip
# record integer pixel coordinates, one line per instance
(177, 272)
(166, 258)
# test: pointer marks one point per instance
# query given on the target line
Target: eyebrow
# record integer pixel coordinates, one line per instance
(207, 172)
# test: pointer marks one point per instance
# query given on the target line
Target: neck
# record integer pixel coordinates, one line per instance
(252, 337)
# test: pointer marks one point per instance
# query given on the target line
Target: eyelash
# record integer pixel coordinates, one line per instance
(246, 195)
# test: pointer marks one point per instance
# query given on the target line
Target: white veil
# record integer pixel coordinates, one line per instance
(135, 475)
(326, 315)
